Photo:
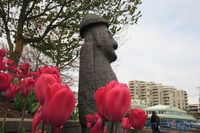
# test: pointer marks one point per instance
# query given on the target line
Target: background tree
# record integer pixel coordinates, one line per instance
(52, 28)
(36, 22)
(37, 59)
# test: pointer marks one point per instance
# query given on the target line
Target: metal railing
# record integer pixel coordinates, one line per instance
(167, 125)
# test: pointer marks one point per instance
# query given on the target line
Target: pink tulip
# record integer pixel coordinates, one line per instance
(113, 101)
(10, 62)
(97, 128)
(34, 74)
(2, 64)
(58, 106)
(88, 125)
(2, 52)
(5, 79)
(126, 124)
(12, 91)
(28, 84)
(42, 84)
(58, 129)
(137, 118)
(96, 117)
(89, 117)
(24, 68)
(39, 131)
(50, 70)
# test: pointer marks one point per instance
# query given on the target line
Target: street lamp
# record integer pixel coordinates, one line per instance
(198, 88)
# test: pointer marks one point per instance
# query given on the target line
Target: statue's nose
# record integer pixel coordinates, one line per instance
(115, 46)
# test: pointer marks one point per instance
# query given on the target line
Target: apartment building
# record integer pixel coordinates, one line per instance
(195, 110)
(153, 94)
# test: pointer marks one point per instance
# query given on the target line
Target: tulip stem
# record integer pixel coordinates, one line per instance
(102, 128)
(0, 96)
(52, 129)
(115, 127)
(112, 127)
(23, 115)
(43, 126)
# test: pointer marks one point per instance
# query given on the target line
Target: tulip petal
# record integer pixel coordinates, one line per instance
(28, 84)
(100, 98)
(12, 91)
(45, 108)
(37, 119)
(89, 117)
(5, 79)
(61, 107)
(126, 124)
(96, 117)
(137, 118)
(41, 86)
(118, 102)
(55, 88)
(97, 127)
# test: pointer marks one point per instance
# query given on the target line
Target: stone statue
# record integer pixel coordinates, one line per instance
(96, 55)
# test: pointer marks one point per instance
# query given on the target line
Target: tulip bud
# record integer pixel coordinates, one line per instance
(96, 117)
(108, 108)
(2, 52)
(5, 79)
(88, 117)
(28, 84)
(12, 91)
(126, 124)
(137, 118)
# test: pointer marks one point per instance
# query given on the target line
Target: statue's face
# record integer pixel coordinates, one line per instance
(106, 42)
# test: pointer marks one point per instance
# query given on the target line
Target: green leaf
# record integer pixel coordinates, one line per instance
(1, 130)
(34, 107)
(23, 130)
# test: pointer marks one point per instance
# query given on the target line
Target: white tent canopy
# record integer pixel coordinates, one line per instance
(168, 112)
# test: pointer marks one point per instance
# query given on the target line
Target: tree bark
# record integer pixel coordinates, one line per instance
(16, 54)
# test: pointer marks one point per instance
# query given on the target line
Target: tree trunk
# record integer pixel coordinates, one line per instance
(15, 56)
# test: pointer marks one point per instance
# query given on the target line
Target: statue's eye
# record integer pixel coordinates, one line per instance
(110, 35)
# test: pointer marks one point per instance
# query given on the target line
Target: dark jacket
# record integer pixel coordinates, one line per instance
(156, 119)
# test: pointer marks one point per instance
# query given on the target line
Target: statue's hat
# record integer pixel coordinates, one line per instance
(91, 19)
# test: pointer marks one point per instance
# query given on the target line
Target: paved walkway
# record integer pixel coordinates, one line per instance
(173, 130)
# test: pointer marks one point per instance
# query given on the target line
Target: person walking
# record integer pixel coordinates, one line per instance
(153, 122)
(157, 123)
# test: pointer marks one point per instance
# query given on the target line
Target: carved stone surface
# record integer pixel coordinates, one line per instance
(96, 55)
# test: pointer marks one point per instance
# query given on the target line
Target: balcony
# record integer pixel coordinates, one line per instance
(166, 101)
(165, 92)
(155, 100)
(155, 103)
(165, 96)
(155, 90)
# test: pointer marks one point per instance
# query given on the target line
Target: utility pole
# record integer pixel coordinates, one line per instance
(198, 88)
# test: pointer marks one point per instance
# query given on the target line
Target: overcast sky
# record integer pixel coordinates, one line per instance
(164, 47)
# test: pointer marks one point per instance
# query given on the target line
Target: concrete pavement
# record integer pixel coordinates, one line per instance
(173, 130)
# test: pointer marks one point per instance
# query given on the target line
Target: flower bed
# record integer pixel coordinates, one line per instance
(11, 125)
(51, 103)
